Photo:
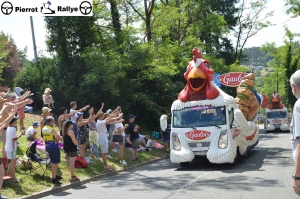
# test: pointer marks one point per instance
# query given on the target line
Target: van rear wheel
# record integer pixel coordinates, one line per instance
(184, 164)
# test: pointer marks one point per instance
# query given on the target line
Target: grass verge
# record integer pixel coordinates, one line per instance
(31, 183)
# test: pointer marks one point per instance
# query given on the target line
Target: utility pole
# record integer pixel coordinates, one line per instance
(277, 82)
(33, 40)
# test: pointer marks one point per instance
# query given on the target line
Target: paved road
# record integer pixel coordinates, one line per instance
(265, 173)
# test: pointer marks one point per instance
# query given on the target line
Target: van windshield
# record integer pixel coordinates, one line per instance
(276, 114)
(199, 116)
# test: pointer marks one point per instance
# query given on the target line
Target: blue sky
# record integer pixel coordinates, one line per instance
(20, 29)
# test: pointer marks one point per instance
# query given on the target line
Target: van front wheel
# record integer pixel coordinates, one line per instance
(184, 164)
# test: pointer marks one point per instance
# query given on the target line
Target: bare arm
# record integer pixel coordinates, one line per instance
(19, 104)
(83, 109)
(128, 140)
(10, 116)
(23, 97)
(22, 133)
(71, 134)
(85, 122)
(57, 137)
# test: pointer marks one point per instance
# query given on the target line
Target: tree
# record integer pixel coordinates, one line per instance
(295, 7)
(286, 62)
(250, 22)
(9, 60)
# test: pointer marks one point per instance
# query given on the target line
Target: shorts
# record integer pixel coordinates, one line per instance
(54, 154)
(103, 142)
(166, 136)
(10, 155)
(21, 113)
(123, 142)
(135, 143)
(82, 137)
(72, 154)
(75, 129)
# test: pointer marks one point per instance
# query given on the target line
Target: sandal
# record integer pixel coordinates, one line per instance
(75, 178)
(15, 180)
(108, 168)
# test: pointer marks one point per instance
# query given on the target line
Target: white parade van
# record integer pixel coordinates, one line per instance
(277, 116)
(212, 126)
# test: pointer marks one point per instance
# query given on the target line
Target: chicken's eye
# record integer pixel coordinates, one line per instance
(207, 65)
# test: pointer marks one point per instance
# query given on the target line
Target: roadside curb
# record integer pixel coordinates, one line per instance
(59, 189)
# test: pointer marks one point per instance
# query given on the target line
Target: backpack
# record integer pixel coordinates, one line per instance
(80, 162)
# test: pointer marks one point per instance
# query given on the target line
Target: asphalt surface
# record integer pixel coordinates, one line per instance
(265, 173)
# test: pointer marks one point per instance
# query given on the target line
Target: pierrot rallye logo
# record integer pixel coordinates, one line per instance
(197, 134)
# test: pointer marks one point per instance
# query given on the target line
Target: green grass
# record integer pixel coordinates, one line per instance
(30, 183)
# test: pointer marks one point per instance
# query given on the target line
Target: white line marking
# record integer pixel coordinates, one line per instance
(188, 184)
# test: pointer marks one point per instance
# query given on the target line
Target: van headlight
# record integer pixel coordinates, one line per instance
(223, 139)
(176, 142)
(286, 122)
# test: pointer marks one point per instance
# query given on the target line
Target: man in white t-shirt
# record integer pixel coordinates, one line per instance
(31, 131)
(73, 118)
(11, 147)
(103, 119)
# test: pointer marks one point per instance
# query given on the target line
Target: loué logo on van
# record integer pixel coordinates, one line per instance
(197, 134)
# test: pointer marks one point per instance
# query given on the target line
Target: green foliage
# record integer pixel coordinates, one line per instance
(108, 58)
(294, 7)
(9, 60)
(255, 57)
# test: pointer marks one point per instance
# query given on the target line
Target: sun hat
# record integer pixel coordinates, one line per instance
(99, 113)
(46, 110)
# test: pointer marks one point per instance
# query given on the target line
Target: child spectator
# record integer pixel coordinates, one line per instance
(31, 131)
(11, 147)
(134, 136)
(47, 99)
(70, 146)
(94, 141)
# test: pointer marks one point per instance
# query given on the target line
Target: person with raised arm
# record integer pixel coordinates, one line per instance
(82, 131)
(73, 119)
(103, 119)
(6, 109)
(64, 117)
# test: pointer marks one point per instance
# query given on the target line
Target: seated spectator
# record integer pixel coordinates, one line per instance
(31, 131)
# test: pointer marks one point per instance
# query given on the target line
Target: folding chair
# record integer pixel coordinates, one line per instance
(35, 161)
(6, 175)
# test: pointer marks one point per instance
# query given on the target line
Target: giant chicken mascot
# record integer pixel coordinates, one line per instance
(198, 77)
(275, 101)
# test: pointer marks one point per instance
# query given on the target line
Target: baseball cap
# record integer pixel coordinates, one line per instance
(78, 114)
(35, 123)
(109, 111)
(131, 116)
(13, 120)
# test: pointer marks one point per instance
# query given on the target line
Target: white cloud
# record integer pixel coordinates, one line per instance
(275, 33)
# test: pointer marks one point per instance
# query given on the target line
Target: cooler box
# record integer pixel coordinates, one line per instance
(28, 109)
